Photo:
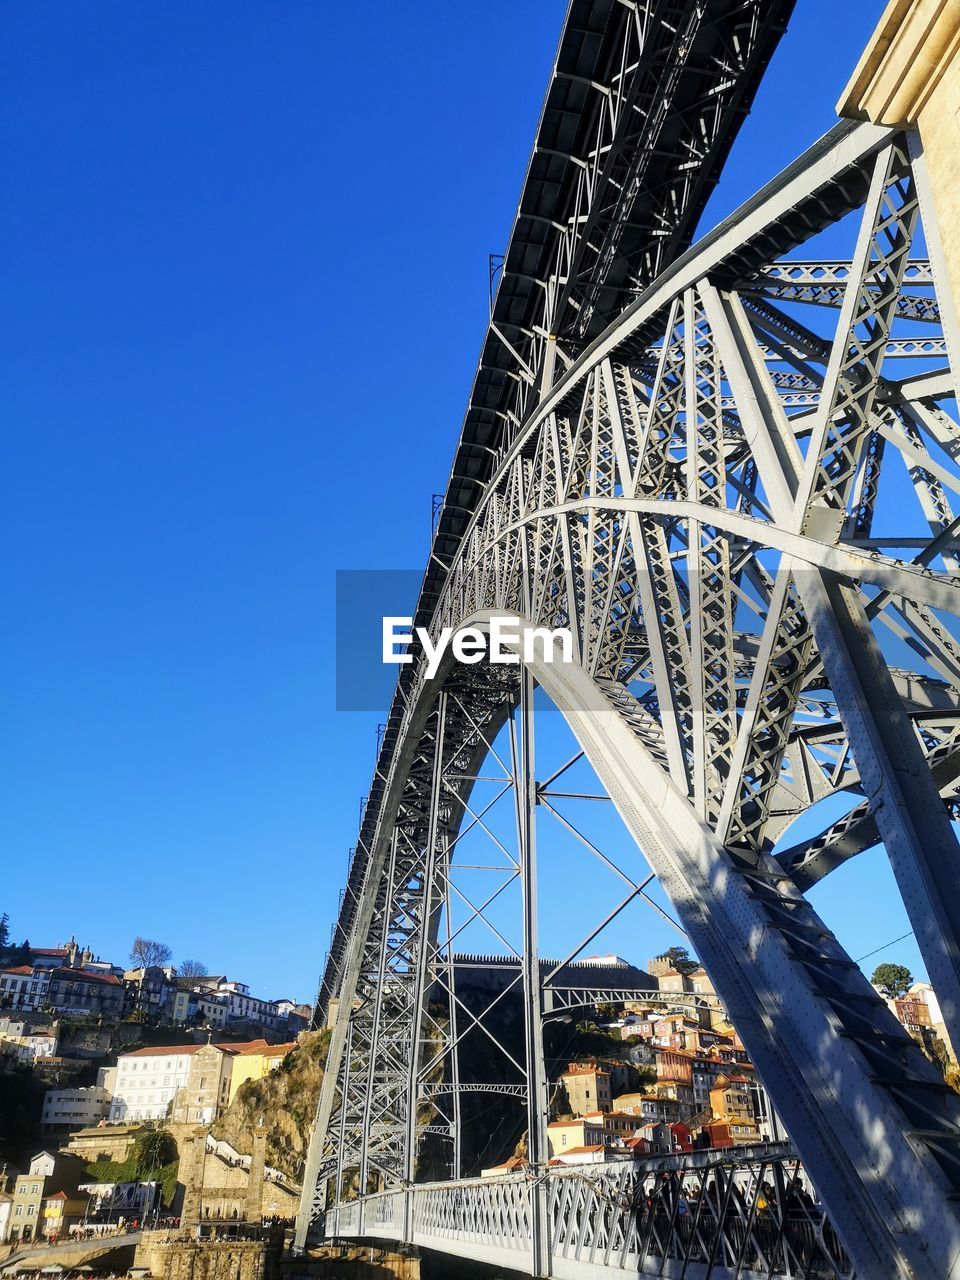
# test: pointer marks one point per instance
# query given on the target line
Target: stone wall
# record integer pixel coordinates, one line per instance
(355, 1262)
(171, 1257)
(225, 1188)
(108, 1143)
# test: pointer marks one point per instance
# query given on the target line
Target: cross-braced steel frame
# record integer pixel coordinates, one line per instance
(739, 498)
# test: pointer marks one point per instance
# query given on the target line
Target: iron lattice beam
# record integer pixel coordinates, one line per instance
(727, 559)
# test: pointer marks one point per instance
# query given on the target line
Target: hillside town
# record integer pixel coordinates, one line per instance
(114, 1079)
(107, 1070)
(686, 1082)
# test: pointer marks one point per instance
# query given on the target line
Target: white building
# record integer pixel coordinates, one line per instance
(221, 1001)
(6, 1212)
(147, 1081)
(74, 1108)
(39, 1044)
(24, 987)
(213, 1009)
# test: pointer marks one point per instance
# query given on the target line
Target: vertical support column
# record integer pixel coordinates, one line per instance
(456, 1162)
(377, 1023)
(537, 1151)
(347, 1063)
(196, 1152)
(253, 1208)
(421, 988)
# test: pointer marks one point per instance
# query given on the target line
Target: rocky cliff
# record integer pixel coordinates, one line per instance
(286, 1100)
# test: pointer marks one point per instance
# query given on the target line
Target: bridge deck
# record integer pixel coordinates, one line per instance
(704, 1214)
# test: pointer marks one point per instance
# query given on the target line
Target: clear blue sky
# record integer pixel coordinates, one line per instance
(242, 293)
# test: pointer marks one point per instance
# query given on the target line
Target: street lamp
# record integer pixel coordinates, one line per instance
(564, 1015)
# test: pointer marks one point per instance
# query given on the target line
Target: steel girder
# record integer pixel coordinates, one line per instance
(644, 102)
(725, 564)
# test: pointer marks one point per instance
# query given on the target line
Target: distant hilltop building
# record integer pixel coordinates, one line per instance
(69, 980)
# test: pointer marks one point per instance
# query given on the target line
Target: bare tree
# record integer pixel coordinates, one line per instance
(193, 969)
(147, 953)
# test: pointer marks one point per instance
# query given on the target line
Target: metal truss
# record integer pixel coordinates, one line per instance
(764, 600)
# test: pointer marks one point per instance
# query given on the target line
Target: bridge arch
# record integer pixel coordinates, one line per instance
(702, 497)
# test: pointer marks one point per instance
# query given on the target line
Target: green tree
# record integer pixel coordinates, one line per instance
(4, 931)
(681, 959)
(151, 1151)
(892, 979)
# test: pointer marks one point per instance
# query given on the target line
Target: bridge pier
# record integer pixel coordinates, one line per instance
(909, 77)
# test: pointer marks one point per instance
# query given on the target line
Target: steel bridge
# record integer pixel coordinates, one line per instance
(728, 467)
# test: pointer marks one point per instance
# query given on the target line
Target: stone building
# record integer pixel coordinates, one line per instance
(205, 1092)
(78, 991)
(588, 1088)
(111, 1142)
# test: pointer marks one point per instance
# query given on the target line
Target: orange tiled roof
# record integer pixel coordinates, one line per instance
(84, 975)
(159, 1051)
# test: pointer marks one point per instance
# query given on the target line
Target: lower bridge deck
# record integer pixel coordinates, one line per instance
(700, 1216)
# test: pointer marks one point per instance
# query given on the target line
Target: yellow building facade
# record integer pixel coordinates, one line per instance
(254, 1060)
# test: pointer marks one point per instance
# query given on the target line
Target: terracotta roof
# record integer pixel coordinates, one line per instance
(84, 975)
(576, 1151)
(243, 1047)
(57, 1195)
(165, 1050)
(23, 969)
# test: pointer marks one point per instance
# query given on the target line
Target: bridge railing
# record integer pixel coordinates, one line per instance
(718, 1213)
